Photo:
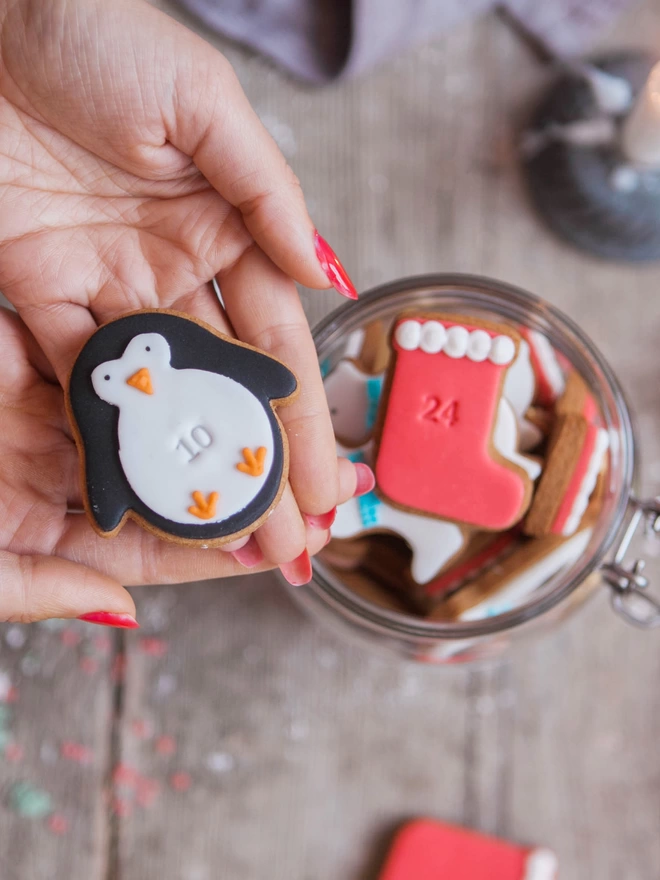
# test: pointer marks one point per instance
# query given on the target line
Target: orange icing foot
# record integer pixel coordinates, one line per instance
(254, 464)
(204, 507)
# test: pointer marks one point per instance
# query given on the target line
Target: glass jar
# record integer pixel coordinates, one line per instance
(332, 601)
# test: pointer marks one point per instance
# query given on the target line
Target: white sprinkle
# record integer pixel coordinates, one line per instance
(165, 685)
(298, 730)
(15, 637)
(48, 753)
(220, 762)
(30, 665)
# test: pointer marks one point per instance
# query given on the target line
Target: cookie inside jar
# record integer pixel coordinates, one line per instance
(490, 455)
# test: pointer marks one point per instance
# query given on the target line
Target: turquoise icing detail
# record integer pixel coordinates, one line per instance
(369, 504)
(324, 367)
(374, 391)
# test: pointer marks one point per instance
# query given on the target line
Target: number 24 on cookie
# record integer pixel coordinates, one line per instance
(441, 412)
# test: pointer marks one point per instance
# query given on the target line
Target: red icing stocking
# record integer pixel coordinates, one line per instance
(435, 454)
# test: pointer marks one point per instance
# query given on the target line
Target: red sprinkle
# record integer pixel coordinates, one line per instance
(154, 647)
(147, 791)
(141, 728)
(58, 824)
(70, 638)
(102, 644)
(76, 752)
(121, 807)
(118, 668)
(124, 775)
(180, 781)
(166, 745)
(12, 695)
(14, 753)
(89, 665)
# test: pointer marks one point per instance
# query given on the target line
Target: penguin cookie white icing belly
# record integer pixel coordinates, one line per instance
(201, 454)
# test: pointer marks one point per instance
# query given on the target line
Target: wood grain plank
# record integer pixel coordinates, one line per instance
(63, 695)
(301, 749)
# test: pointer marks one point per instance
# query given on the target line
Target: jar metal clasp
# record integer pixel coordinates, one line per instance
(630, 598)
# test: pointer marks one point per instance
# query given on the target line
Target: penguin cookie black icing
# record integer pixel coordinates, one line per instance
(176, 427)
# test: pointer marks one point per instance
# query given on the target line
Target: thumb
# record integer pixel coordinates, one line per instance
(41, 587)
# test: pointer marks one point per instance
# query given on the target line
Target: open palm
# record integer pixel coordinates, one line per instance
(133, 171)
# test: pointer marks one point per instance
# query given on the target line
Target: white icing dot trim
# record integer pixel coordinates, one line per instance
(456, 341)
(541, 864)
(588, 484)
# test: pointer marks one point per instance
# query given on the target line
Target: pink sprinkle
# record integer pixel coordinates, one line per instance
(102, 644)
(12, 695)
(147, 791)
(70, 638)
(166, 745)
(121, 807)
(58, 824)
(124, 775)
(14, 753)
(141, 728)
(180, 781)
(153, 647)
(118, 668)
(89, 665)
(76, 752)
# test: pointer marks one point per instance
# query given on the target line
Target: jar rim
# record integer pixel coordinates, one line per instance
(538, 314)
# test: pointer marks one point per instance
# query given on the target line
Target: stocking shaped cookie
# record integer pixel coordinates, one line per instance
(177, 428)
(436, 451)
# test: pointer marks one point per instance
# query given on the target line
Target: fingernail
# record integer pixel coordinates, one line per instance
(109, 618)
(365, 479)
(235, 545)
(299, 571)
(249, 555)
(321, 521)
(337, 275)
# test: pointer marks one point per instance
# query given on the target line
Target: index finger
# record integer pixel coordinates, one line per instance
(264, 308)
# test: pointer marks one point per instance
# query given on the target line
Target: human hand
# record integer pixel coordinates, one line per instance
(52, 563)
(132, 171)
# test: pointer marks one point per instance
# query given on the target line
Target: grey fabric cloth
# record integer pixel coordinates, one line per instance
(321, 40)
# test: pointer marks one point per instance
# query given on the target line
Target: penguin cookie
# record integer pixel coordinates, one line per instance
(176, 428)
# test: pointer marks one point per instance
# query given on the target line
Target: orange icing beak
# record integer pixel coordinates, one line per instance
(142, 381)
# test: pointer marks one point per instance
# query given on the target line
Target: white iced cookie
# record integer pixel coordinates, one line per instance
(433, 542)
(353, 398)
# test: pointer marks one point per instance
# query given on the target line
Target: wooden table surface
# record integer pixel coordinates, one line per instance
(242, 742)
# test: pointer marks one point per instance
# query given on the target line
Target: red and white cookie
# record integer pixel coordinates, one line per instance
(437, 449)
(429, 850)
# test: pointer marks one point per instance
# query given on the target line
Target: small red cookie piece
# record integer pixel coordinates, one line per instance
(428, 850)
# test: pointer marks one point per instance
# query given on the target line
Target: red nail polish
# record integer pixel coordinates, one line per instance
(299, 571)
(109, 618)
(337, 275)
(321, 521)
(249, 555)
(365, 479)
